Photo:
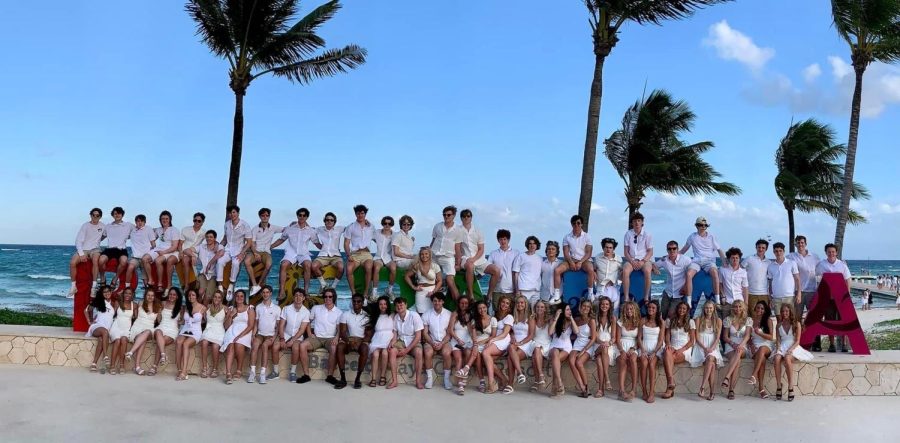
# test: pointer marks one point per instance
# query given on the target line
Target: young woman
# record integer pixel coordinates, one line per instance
(788, 349)
(126, 311)
(652, 338)
(481, 329)
(560, 346)
(706, 349)
(541, 340)
(382, 335)
(737, 334)
(583, 348)
(213, 335)
(679, 344)
(167, 331)
(548, 268)
(142, 329)
(628, 345)
(428, 279)
(189, 335)
(605, 352)
(497, 345)
(522, 344)
(460, 340)
(99, 314)
(761, 345)
(240, 320)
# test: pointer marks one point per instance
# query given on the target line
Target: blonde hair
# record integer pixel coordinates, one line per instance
(515, 311)
(634, 321)
(738, 322)
(546, 313)
(703, 320)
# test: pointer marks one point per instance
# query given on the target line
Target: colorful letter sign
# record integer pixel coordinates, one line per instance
(833, 294)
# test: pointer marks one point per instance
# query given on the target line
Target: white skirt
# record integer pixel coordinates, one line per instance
(698, 356)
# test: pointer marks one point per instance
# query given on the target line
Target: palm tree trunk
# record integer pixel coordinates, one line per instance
(791, 234)
(590, 142)
(850, 163)
(237, 147)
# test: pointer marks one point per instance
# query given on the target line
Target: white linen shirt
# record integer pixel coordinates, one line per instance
(470, 239)
(360, 235)
(206, 255)
(444, 240)
(608, 269)
(117, 234)
(383, 249)
(262, 238)
(757, 270)
(404, 242)
(330, 241)
(782, 276)
(806, 264)
(89, 236)
(267, 318)
(192, 239)
(704, 247)
(838, 266)
(236, 235)
(407, 328)
(141, 241)
(676, 274)
(298, 239)
(325, 322)
(733, 281)
(577, 244)
(356, 323)
(640, 247)
(293, 320)
(166, 236)
(437, 323)
(528, 271)
(504, 260)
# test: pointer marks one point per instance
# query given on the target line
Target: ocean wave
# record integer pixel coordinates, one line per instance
(9, 249)
(40, 292)
(48, 277)
(657, 282)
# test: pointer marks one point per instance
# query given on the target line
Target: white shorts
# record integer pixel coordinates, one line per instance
(403, 263)
(381, 262)
(698, 263)
(532, 296)
(154, 255)
(447, 264)
(480, 265)
(528, 349)
(297, 259)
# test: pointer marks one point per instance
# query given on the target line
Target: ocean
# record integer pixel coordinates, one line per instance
(35, 278)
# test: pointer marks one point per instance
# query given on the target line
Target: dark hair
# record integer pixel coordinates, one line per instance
(503, 233)
(733, 251)
(399, 299)
(269, 287)
(387, 218)
(176, 309)
(681, 322)
(439, 295)
(610, 316)
(264, 211)
(500, 300)
(165, 213)
(360, 208)
(201, 215)
(373, 312)
(464, 317)
(140, 217)
(407, 218)
(560, 325)
(778, 245)
(476, 317)
(672, 242)
(657, 319)
(357, 295)
(211, 231)
(830, 245)
(329, 214)
(764, 320)
(450, 208)
(117, 209)
(553, 243)
(608, 240)
(800, 237)
(576, 218)
(302, 211)
(230, 208)
(762, 241)
(98, 302)
(465, 213)
(532, 238)
(332, 291)
(97, 210)
(635, 216)
(235, 296)
(299, 290)
(187, 300)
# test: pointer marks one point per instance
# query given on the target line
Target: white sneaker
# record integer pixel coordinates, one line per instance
(252, 377)
(230, 294)
(556, 298)
(254, 289)
(221, 289)
(322, 282)
(374, 294)
(390, 291)
(262, 378)
(72, 290)
(447, 385)
(429, 382)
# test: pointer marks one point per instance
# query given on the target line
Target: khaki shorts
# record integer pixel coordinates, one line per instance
(328, 261)
(317, 343)
(779, 302)
(206, 285)
(725, 310)
(353, 344)
(360, 256)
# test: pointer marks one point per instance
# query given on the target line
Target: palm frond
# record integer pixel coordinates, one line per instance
(327, 64)
(870, 27)
(299, 41)
(213, 26)
(656, 11)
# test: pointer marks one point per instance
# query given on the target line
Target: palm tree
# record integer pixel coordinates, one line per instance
(872, 29)
(606, 18)
(809, 179)
(254, 36)
(648, 154)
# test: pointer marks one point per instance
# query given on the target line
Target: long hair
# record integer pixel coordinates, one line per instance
(764, 319)
(560, 325)
(657, 319)
(497, 313)
(176, 309)
(703, 320)
(633, 321)
(610, 318)
(98, 302)
(464, 316)
(683, 321)
(521, 318)
(187, 301)
(476, 317)
(791, 318)
(212, 311)
(147, 307)
(373, 312)
(738, 322)
(541, 322)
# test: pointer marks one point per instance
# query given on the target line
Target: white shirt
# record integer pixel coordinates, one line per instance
(547, 269)
(639, 249)
(704, 247)
(838, 266)
(118, 233)
(407, 328)
(166, 236)
(504, 260)
(235, 236)
(608, 269)
(141, 239)
(676, 274)
(445, 240)
(206, 255)
(782, 276)
(293, 319)
(470, 239)
(360, 235)
(330, 241)
(356, 323)
(262, 238)
(89, 236)
(325, 322)
(503, 323)
(267, 318)
(757, 270)
(577, 244)
(298, 239)
(437, 323)
(806, 264)
(733, 281)
(404, 242)
(528, 271)
(192, 239)
(383, 249)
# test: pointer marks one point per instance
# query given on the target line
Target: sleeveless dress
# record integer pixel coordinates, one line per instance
(759, 341)
(168, 325)
(738, 334)
(384, 331)
(215, 327)
(627, 338)
(564, 341)
(678, 337)
(427, 280)
(503, 343)
(145, 322)
(101, 320)
(541, 340)
(583, 338)
(520, 332)
(237, 326)
(649, 340)
(191, 326)
(486, 334)
(121, 325)
(706, 336)
(787, 340)
(462, 331)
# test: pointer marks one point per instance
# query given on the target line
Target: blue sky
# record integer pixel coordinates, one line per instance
(478, 104)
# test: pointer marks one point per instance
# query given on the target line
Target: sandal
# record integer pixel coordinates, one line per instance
(228, 380)
(730, 394)
(763, 394)
(700, 394)
(214, 374)
(463, 372)
(670, 392)
(163, 362)
(372, 383)
(138, 370)
(93, 367)
(520, 379)
(508, 389)
(751, 380)
(121, 370)
(462, 390)
(712, 395)
(382, 381)
(725, 383)
(599, 393)
(113, 371)
(791, 394)
(584, 394)
(778, 394)
(152, 370)
(128, 356)
(481, 386)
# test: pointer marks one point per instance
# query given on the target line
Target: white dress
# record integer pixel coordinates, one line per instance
(604, 335)
(627, 338)
(238, 324)
(167, 324)
(483, 336)
(191, 325)
(145, 322)
(121, 325)
(787, 340)
(678, 338)
(101, 320)
(706, 336)
(503, 343)
(462, 331)
(649, 340)
(427, 281)
(562, 342)
(738, 334)
(215, 327)
(384, 331)
(541, 340)
(759, 341)
(583, 338)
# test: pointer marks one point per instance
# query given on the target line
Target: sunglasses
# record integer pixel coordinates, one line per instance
(671, 249)
(328, 296)
(699, 225)
(448, 215)
(329, 220)
(387, 224)
(405, 224)
(95, 215)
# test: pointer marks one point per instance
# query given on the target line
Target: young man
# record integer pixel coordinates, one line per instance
(358, 237)
(470, 251)
(237, 240)
(577, 254)
(500, 268)
(324, 320)
(261, 250)
(832, 264)
(757, 266)
(437, 340)
(268, 317)
(353, 338)
(784, 280)
(676, 266)
(192, 237)
(298, 236)
(328, 240)
(143, 240)
(384, 256)
(208, 254)
(706, 247)
(734, 282)
(165, 255)
(87, 247)
(444, 239)
(609, 268)
(806, 264)
(638, 256)
(294, 324)
(526, 271)
(408, 326)
(117, 234)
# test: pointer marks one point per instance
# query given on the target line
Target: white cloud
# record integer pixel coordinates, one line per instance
(812, 72)
(731, 44)
(839, 68)
(889, 209)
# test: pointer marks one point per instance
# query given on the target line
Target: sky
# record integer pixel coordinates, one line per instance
(481, 104)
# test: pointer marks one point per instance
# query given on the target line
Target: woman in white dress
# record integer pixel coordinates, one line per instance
(522, 344)
(541, 340)
(460, 341)
(382, 335)
(213, 335)
(99, 314)
(481, 329)
(118, 334)
(560, 347)
(240, 320)
(428, 279)
(583, 348)
(761, 345)
(497, 345)
(167, 331)
(679, 344)
(628, 345)
(142, 329)
(737, 335)
(706, 349)
(789, 349)
(189, 335)
(605, 351)
(652, 335)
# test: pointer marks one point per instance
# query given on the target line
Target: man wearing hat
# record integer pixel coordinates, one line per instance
(706, 247)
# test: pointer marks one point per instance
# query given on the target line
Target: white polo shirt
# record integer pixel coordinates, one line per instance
(267, 318)
(407, 327)
(528, 271)
(141, 241)
(236, 235)
(117, 234)
(89, 236)
(293, 320)
(470, 239)
(806, 264)
(782, 277)
(638, 248)
(733, 281)
(404, 242)
(445, 240)
(356, 323)
(704, 246)
(547, 269)
(166, 236)
(504, 260)
(437, 323)
(757, 270)
(192, 239)
(360, 235)
(838, 266)
(608, 269)
(330, 241)
(577, 244)
(676, 274)
(206, 255)
(383, 249)
(262, 238)
(325, 322)
(298, 239)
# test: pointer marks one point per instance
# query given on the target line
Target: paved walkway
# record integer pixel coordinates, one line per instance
(73, 405)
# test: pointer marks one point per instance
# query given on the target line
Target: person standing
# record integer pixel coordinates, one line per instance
(384, 257)
(526, 271)
(833, 264)
(806, 265)
(237, 240)
(577, 254)
(358, 237)
(784, 279)
(428, 279)
(638, 256)
(87, 247)
(353, 338)
(734, 283)
(445, 239)
(757, 266)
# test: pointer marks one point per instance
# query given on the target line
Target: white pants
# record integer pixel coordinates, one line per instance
(235, 265)
(532, 296)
